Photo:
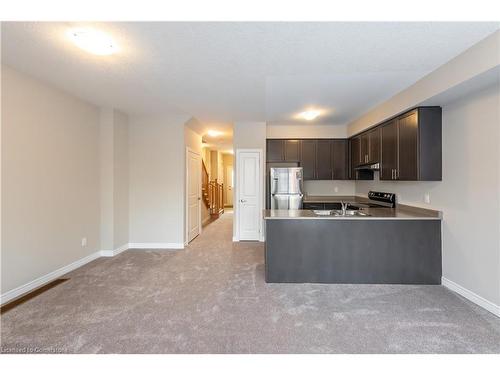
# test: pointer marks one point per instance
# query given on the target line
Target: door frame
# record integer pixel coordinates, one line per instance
(236, 191)
(186, 194)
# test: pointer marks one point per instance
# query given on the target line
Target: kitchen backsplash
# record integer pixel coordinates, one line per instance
(328, 187)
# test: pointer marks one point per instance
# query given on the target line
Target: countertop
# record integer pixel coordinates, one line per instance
(401, 212)
(334, 199)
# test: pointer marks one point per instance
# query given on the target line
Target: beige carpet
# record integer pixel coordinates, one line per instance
(212, 298)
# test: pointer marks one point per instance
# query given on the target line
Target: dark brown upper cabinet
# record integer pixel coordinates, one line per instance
(412, 146)
(340, 157)
(355, 151)
(389, 157)
(323, 159)
(370, 147)
(292, 150)
(374, 146)
(308, 158)
(275, 150)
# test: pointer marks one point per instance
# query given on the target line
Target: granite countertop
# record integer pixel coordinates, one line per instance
(401, 212)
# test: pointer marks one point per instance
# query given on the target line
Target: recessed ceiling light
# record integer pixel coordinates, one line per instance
(309, 115)
(214, 133)
(93, 41)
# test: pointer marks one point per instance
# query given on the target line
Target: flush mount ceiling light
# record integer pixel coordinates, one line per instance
(93, 41)
(214, 133)
(309, 115)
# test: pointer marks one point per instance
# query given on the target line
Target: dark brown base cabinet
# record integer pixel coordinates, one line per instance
(321, 159)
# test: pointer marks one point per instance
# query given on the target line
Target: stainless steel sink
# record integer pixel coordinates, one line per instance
(323, 212)
(349, 213)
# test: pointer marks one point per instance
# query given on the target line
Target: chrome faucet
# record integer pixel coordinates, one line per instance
(344, 206)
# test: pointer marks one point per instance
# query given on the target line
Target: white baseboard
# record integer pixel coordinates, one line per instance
(471, 296)
(112, 253)
(28, 287)
(157, 245)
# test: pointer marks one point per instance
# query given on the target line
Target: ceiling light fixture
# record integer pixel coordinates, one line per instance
(214, 133)
(309, 115)
(93, 41)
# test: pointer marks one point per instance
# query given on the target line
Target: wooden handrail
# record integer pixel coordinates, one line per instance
(204, 185)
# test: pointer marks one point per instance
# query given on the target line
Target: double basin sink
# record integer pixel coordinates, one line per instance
(346, 213)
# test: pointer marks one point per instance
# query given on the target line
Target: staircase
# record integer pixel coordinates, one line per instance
(212, 194)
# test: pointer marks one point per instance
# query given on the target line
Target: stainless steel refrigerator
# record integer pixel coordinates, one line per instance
(286, 188)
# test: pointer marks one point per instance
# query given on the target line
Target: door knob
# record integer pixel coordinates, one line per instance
(242, 200)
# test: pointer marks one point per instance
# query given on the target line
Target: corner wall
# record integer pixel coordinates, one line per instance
(50, 180)
(156, 203)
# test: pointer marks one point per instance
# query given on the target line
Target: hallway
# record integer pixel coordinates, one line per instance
(212, 298)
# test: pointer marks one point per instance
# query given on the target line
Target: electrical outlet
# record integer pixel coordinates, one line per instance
(84, 241)
(336, 189)
(427, 198)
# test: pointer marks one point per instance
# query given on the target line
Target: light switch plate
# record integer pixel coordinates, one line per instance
(84, 241)
(336, 189)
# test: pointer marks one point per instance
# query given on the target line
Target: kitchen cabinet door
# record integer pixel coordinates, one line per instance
(355, 151)
(324, 159)
(364, 148)
(374, 146)
(389, 157)
(275, 150)
(308, 158)
(292, 150)
(408, 147)
(340, 159)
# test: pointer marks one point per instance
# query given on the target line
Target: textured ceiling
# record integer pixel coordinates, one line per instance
(225, 72)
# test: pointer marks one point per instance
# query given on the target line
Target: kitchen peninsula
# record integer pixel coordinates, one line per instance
(381, 245)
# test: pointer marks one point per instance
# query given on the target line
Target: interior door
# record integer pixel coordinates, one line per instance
(249, 195)
(229, 183)
(194, 194)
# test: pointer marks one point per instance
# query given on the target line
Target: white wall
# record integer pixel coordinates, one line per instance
(468, 195)
(114, 179)
(478, 59)
(50, 179)
(157, 153)
(249, 135)
(306, 131)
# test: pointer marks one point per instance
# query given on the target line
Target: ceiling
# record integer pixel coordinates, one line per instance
(248, 71)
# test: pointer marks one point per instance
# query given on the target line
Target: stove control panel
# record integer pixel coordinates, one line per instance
(379, 196)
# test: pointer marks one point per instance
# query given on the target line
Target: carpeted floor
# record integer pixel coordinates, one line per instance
(212, 298)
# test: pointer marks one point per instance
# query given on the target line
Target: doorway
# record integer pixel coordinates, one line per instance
(229, 180)
(193, 193)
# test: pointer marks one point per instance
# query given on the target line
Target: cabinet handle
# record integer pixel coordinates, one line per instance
(392, 174)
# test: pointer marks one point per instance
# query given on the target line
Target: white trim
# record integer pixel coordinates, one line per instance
(471, 296)
(186, 193)
(28, 287)
(157, 245)
(112, 253)
(236, 203)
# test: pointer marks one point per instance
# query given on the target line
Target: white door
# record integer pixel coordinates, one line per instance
(229, 184)
(193, 195)
(249, 194)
